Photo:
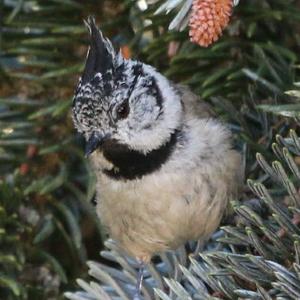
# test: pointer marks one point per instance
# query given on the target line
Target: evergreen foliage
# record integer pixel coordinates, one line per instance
(48, 228)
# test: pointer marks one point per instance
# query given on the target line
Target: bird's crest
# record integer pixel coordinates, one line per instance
(101, 54)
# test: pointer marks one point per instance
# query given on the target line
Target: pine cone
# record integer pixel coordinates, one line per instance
(208, 19)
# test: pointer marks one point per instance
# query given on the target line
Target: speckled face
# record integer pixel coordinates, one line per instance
(123, 103)
(125, 100)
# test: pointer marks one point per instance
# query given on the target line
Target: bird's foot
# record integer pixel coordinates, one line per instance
(139, 281)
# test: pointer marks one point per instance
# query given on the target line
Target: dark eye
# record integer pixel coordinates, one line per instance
(123, 110)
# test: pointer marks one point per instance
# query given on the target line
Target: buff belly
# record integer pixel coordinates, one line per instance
(158, 213)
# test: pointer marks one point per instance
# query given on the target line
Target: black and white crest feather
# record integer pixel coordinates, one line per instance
(109, 82)
(100, 58)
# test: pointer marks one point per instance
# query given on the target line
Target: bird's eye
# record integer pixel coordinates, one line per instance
(123, 110)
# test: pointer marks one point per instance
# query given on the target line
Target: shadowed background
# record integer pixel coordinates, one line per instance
(48, 226)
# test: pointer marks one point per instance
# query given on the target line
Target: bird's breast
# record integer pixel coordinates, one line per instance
(159, 212)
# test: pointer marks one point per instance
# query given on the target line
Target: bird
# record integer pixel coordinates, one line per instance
(165, 165)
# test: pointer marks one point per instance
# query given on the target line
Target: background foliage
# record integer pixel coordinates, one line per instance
(48, 227)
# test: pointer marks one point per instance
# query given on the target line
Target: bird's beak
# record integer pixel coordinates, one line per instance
(95, 141)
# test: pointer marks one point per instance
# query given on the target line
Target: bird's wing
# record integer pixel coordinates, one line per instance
(193, 105)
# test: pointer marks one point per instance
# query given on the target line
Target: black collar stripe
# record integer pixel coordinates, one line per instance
(130, 164)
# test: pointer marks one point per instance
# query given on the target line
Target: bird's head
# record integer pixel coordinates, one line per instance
(123, 101)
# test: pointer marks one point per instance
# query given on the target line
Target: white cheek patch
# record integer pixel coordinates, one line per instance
(155, 113)
(145, 112)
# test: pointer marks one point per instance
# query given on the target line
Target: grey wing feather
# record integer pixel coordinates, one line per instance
(193, 105)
